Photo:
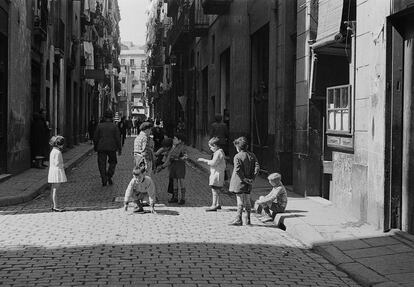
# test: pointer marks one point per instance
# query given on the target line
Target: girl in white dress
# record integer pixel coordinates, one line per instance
(217, 168)
(56, 169)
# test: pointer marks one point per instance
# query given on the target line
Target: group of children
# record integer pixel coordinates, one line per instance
(172, 155)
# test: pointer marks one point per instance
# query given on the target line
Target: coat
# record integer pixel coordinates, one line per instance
(246, 166)
(107, 137)
(217, 168)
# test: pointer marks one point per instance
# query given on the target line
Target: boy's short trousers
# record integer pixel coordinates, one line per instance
(277, 208)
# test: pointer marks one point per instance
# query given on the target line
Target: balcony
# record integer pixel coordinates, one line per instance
(172, 8)
(199, 22)
(59, 38)
(215, 7)
(179, 32)
(40, 20)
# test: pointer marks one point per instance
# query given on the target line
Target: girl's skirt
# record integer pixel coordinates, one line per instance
(177, 169)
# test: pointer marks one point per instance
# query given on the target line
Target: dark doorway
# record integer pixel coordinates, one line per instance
(204, 103)
(260, 93)
(3, 91)
(35, 87)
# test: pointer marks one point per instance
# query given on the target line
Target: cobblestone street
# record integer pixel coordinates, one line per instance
(97, 243)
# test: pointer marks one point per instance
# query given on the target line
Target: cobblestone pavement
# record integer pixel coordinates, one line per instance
(96, 243)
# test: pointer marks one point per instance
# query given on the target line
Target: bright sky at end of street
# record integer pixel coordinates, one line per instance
(133, 20)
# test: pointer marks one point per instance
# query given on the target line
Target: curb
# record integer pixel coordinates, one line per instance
(39, 187)
(311, 238)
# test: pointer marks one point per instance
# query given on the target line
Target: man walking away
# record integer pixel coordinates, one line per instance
(107, 140)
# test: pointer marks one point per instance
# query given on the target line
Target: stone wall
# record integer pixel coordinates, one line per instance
(20, 102)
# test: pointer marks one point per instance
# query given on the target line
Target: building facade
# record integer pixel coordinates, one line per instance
(42, 64)
(132, 77)
(321, 88)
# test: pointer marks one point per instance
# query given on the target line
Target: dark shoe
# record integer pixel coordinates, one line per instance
(103, 183)
(212, 208)
(236, 222)
(282, 226)
(248, 222)
(182, 201)
(110, 182)
(218, 206)
(58, 209)
(139, 210)
(173, 200)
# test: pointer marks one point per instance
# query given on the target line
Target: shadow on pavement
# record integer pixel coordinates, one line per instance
(172, 264)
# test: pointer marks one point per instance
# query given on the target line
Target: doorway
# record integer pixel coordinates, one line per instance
(260, 94)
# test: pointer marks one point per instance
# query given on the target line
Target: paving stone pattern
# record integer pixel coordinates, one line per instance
(97, 243)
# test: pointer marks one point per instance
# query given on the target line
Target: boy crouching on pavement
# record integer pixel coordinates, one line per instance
(140, 186)
(273, 203)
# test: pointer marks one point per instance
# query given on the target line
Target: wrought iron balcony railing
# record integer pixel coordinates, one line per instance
(216, 7)
(199, 21)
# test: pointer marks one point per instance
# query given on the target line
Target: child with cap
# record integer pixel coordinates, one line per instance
(139, 187)
(273, 203)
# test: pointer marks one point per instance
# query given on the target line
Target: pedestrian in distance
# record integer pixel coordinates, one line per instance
(39, 139)
(246, 168)
(57, 173)
(128, 123)
(220, 130)
(122, 129)
(158, 135)
(91, 129)
(140, 186)
(217, 168)
(274, 202)
(176, 163)
(107, 141)
(144, 146)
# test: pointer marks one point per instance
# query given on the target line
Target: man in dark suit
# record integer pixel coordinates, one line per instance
(107, 141)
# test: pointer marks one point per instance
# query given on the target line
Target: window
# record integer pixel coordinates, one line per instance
(131, 62)
(133, 73)
(122, 61)
(123, 80)
(338, 109)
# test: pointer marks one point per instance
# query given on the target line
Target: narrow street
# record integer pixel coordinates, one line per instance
(97, 243)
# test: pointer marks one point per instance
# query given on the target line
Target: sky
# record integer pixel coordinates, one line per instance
(133, 20)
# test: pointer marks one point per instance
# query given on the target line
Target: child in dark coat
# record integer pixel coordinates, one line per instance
(246, 168)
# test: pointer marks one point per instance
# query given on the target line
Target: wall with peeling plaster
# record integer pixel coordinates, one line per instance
(358, 178)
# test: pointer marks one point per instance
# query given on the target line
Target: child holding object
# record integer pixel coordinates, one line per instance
(57, 173)
(217, 168)
(246, 168)
(175, 161)
(273, 203)
(139, 187)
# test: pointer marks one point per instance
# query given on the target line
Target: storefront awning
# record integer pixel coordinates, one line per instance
(329, 22)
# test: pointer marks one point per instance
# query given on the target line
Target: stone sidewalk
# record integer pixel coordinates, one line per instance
(32, 182)
(369, 256)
